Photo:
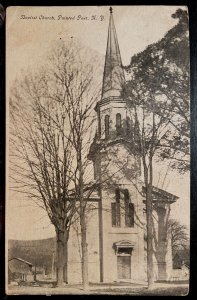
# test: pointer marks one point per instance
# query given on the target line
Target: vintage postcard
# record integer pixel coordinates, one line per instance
(97, 198)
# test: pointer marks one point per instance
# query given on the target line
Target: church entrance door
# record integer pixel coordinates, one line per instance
(124, 267)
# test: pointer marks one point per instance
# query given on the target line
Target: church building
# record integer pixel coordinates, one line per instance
(117, 226)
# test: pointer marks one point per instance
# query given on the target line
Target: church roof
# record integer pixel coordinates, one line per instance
(113, 77)
(161, 195)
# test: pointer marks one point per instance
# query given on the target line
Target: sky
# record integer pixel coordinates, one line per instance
(31, 31)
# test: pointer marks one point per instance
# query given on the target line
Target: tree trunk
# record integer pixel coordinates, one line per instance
(62, 257)
(162, 244)
(84, 248)
(149, 225)
(150, 275)
(65, 270)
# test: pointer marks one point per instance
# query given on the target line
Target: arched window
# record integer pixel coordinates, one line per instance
(115, 209)
(126, 196)
(106, 126)
(118, 124)
(117, 195)
(129, 210)
(128, 126)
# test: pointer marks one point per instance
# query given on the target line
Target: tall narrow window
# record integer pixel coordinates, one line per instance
(117, 195)
(129, 210)
(99, 124)
(128, 131)
(96, 169)
(131, 215)
(115, 209)
(126, 195)
(126, 201)
(118, 124)
(106, 126)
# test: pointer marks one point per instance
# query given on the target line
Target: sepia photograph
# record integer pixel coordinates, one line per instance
(97, 150)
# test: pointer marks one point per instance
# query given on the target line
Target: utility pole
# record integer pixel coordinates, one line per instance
(53, 263)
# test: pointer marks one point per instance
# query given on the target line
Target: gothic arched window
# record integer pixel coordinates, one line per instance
(106, 126)
(118, 124)
(117, 192)
(115, 209)
(129, 210)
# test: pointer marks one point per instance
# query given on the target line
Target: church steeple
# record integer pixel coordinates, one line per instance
(113, 77)
(112, 114)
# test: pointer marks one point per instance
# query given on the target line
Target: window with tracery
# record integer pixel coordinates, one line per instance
(122, 207)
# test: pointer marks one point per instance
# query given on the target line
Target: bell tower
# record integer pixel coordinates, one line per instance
(117, 170)
(111, 109)
(115, 126)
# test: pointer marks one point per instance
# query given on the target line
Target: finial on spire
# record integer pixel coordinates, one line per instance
(111, 10)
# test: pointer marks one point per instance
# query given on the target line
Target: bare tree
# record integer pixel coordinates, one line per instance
(81, 94)
(49, 116)
(179, 235)
(41, 161)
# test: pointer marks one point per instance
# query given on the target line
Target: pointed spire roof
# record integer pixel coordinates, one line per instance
(113, 77)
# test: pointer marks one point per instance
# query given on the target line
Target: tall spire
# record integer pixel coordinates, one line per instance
(113, 77)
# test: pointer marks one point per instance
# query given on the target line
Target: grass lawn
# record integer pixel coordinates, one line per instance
(172, 291)
(158, 289)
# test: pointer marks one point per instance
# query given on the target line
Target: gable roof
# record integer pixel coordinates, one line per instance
(162, 195)
(21, 260)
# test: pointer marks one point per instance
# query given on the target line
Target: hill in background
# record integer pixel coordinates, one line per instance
(37, 252)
